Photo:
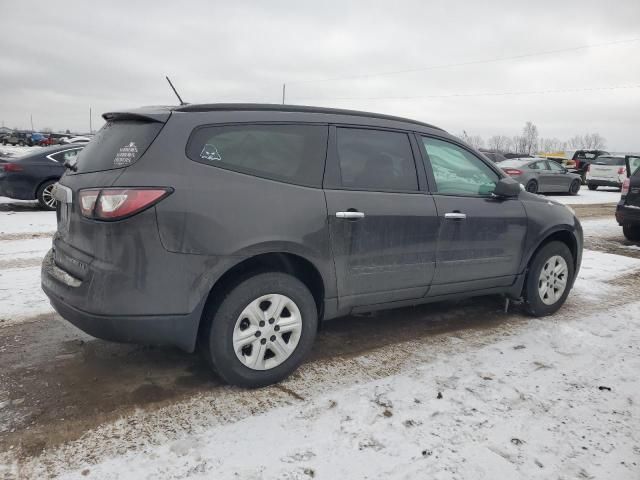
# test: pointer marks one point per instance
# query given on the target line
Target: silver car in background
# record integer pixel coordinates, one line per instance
(540, 175)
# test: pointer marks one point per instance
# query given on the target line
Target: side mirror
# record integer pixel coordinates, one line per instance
(507, 188)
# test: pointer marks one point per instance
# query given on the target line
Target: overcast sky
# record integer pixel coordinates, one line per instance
(59, 58)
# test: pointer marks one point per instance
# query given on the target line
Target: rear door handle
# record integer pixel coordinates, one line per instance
(455, 216)
(350, 215)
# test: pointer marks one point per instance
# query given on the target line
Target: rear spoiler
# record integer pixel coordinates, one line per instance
(156, 114)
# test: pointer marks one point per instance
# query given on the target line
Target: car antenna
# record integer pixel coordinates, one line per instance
(175, 91)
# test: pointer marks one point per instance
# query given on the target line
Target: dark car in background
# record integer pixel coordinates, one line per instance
(31, 177)
(628, 209)
(582, 159)
(495, 157)
(240, 227)
(539, 175)
(17, 138)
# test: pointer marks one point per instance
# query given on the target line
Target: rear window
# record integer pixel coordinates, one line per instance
(617, 161)
(117, 144)
(288, 153)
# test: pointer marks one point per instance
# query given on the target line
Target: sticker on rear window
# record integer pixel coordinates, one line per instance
(126, 155)
(210, 152)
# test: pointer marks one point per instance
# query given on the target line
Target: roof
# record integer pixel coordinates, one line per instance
(213, 107)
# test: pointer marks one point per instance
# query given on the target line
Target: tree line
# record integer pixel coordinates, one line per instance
(530, 142)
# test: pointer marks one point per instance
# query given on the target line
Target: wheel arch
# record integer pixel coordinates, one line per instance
(41, 183)
(285, 262)
(563, 235)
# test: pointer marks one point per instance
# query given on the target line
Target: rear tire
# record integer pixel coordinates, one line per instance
(532, 186)
(245, 339)
(45, 195)
(549, 279)
(574, 188)
(631, 233)
(592, 186)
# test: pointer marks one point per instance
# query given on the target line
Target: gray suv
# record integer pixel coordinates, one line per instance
(239, 228)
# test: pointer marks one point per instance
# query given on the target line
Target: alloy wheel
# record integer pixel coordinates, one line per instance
(553, 280)
(267, 332)
(47, 196)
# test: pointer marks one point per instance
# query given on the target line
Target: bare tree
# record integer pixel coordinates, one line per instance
(551, 145)
(475, 141)
(518, 144)
(499, 143)
(530, 135)
(594, 141)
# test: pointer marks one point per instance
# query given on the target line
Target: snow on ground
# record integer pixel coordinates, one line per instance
(555, 399)
(586, 196)
(17, 151)
(597, 269)
(27, 222)
(21, 297)
(32, 248)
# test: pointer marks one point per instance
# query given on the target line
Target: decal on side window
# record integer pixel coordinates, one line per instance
(210, 152)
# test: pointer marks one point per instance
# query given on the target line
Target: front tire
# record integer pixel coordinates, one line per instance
(549, 279)
(259, 332)
(45, 195)
(631, 233)
(574, 188)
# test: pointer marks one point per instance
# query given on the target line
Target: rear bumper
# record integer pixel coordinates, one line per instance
(628, 215)
(604, 183)
(172, 329)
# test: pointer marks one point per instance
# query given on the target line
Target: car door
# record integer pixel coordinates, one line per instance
(559, 179)
(632, 198)
(383, 227)
(481, 237)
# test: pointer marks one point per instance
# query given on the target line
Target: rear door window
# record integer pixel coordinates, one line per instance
(376, 160)
(65, 155)
(117, 144)
(288, 153)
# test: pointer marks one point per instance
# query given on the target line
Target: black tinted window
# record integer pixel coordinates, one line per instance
(291, 153)
(375, 160)
(117, 144)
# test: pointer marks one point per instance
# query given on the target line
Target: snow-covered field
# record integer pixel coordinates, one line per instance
(506, 397)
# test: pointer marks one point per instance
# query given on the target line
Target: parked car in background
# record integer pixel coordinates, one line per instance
(517, 155)
(79, 139)
(48, 141)
(495, 157)
(628, 209)
(31, 177)
(582, 159)
(606, 171)
(539, 175)
(17, 138)
(356, 212)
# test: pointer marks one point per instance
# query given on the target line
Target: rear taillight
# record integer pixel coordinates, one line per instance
(514, 172)
(625, 186)
(12, 167)
(118, 203)
(622, 171)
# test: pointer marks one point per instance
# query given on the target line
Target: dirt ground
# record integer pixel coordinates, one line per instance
(63, 383)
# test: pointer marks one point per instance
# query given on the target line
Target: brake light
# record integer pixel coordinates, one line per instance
(118, 203)
(514, 172)
(625, 186)
(622, 171)
(12, 167)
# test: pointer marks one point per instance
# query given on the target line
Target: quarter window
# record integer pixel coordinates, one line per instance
(289, 153)
(66, 155)
(376, 160)
(457, 171)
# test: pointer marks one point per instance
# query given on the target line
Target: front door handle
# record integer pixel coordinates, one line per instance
(352, 215)
(455, 216)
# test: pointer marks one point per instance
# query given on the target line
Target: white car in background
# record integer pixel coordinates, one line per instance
(606, 171)
(75, 140)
